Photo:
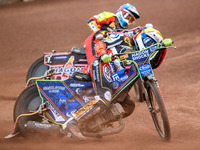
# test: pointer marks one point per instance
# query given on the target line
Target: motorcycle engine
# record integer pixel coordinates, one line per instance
(111, 114)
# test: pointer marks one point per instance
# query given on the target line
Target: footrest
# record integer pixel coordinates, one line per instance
(80, 76)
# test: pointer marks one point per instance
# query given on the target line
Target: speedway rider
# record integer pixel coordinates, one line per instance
(98, 59)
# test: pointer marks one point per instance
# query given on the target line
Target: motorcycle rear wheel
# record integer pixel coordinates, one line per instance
(158, 111)
(37, 69)
(27, 102)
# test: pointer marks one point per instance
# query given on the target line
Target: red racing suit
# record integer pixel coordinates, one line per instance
(100, 72)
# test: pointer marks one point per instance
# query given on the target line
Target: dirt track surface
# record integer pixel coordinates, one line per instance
(29, 29)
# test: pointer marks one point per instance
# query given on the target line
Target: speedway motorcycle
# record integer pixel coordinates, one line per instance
(44, 107)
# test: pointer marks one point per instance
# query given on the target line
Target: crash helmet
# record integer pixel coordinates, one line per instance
(127, 14)
(148, 37)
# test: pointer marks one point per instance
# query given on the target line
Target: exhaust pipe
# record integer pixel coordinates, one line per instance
(42, 128)
(54, 129)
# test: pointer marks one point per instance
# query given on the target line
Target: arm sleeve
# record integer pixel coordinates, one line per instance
(100, 48)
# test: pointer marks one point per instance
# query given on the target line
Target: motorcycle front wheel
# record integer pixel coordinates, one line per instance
(157, 109)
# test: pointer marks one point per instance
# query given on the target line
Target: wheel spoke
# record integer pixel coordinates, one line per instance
(157, 110)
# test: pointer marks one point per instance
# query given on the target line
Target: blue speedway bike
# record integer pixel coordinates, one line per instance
(43, 108)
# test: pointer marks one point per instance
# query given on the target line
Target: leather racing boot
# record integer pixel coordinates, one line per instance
(128, 105)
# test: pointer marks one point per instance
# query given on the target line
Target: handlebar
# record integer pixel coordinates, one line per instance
(162, 46)
(151, 49)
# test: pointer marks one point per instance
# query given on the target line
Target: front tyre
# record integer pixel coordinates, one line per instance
(157, 109)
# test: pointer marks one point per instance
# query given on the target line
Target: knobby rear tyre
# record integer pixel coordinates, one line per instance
(37, 69)
(27, 102)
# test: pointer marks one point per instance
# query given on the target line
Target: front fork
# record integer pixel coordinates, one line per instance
(147, 95)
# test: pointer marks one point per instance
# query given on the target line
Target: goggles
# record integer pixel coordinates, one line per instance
(129, 17)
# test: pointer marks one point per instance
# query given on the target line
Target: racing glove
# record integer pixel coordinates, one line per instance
(167, 42)
(106, 58)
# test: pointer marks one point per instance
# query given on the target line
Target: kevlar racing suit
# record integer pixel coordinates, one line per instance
(100, 72)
